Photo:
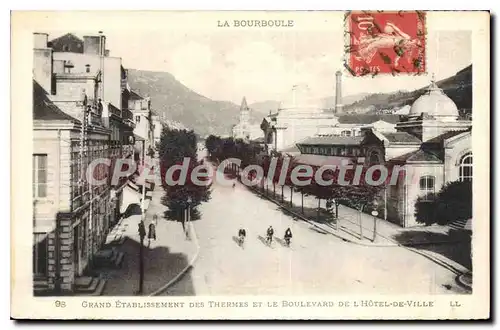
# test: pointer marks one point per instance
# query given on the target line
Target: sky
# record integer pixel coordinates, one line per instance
(228, 64)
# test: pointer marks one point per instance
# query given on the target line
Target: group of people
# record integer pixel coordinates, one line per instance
(269, 238)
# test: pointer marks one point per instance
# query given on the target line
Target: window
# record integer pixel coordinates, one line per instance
(39, 176)
(40, 247)
(321, 151)
(349, 151)
(315, 150)
(374, 158)
(345, 133)
(465, 170)
(427, 184)
(137, 119)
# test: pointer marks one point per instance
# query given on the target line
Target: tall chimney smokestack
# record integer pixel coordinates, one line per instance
(338, 92)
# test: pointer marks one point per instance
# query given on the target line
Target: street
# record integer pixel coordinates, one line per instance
(315, 264)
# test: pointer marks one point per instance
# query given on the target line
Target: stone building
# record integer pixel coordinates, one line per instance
(73, 124)
(245, 129)
(300, 116)
(143, 118)
(432, 144)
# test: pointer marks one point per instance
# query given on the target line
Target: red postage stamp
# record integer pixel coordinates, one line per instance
(385, 42)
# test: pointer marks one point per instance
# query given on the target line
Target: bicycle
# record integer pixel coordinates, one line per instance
(287, 241)
(269, 239)
(241, 240)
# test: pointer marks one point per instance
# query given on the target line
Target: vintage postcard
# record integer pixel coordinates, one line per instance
(250, 165)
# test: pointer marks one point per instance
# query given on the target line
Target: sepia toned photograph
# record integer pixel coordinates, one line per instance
(297, 157)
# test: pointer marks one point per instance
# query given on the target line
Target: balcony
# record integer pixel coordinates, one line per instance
(128, 117)
(114, 110)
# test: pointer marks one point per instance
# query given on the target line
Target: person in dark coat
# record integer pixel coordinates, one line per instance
(152, 232)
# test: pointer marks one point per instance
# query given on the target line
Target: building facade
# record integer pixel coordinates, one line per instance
(74, 124)
(432, 145)
(245, 129)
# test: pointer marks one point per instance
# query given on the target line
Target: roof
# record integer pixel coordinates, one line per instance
(434, 102)
(135, 95)
(244, 104)
(441, 138)
(67, 36)
(332, 140)
(45, 109)
(291, 149)
(418, 156)
(320, 160)
(401, 137)
(367, 119)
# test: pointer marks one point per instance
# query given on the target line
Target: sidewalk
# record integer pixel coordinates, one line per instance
(164, 260)
(437, 243)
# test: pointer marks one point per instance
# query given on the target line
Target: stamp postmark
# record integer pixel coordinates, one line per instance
(385, 42)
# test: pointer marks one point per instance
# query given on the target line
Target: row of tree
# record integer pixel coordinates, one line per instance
(360, 196)
(174, 147)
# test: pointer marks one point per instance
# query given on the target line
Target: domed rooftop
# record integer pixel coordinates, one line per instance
(300, 98)
(435, 103)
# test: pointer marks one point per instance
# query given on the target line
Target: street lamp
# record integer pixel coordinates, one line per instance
(188, 215)
(142, 234)
(374, 214)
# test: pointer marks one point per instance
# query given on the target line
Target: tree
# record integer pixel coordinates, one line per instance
(452, 203)
(175, 145)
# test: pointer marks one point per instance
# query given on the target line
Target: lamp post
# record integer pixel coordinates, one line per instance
(374, 214)
(142, 234)
(188, 215)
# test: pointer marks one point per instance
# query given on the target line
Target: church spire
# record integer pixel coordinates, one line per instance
(244, 105)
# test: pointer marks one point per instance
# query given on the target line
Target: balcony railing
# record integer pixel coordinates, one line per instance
(127, 114)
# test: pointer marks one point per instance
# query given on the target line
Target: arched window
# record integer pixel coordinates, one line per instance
(427, 184)
(465, 170)
(374, 158)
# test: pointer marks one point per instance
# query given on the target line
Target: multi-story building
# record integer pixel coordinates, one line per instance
(158, 125)
(143, 118)
(432, 143)
(74, 124)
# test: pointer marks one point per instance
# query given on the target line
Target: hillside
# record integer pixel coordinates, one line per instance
(181, 104)
(458, 87)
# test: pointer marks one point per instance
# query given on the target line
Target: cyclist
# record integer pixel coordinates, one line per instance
(288, 236)
(270, 233)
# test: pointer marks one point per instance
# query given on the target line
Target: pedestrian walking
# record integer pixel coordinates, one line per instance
(152, 229)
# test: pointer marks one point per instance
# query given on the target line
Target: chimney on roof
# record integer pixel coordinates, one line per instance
(40, 40)
(42, 62)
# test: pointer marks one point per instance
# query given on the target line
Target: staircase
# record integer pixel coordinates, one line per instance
(458, 224)
(40, 287)
(89, 286)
